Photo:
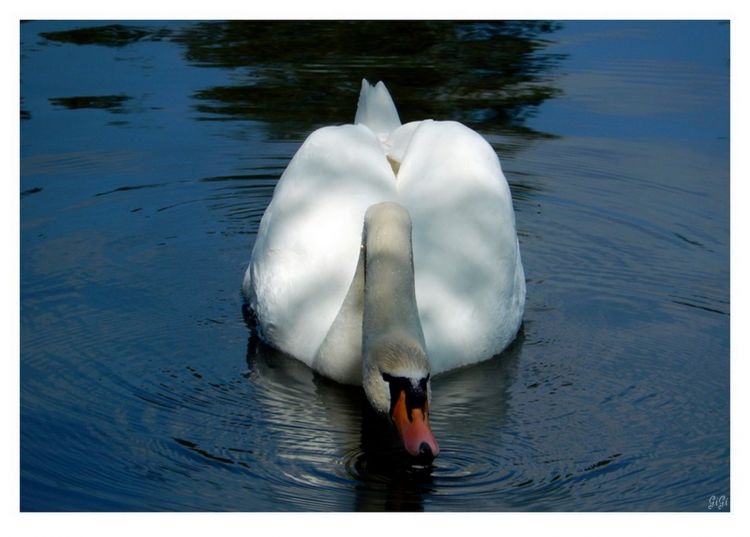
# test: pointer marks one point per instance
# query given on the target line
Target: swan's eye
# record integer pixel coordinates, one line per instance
(423, 382)
(414, 390)
(390, 378)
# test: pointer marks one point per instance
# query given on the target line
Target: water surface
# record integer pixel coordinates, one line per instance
(149, 151)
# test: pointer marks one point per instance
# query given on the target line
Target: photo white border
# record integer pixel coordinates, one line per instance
(186, 524)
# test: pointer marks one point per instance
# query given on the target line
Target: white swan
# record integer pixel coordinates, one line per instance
(388, 252)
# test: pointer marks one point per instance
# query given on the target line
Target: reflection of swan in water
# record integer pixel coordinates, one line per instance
(338, 438)
(385, 244)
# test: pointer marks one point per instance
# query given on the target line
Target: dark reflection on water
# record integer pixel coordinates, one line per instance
(489, 75)
(110, 35)
(113, 103)
(149, 151)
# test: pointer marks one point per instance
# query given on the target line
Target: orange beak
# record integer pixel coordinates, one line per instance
(414, 428)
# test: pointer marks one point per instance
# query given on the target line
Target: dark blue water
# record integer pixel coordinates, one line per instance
(149, 152)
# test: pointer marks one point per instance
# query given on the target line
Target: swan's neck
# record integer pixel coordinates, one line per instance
(390, 305)
(378, 321)
(392, 339)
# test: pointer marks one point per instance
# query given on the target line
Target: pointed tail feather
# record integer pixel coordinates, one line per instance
(376, 110)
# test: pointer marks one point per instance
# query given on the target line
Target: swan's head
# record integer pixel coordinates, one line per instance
(396, 379)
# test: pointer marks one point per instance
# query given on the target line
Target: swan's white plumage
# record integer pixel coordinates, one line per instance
(469, 278)
(376, 110)
(308, 241)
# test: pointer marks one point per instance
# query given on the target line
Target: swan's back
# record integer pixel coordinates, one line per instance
(469, 279)
(308, 241)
